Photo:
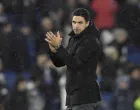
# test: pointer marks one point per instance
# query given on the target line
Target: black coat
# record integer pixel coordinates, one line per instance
(80, 57)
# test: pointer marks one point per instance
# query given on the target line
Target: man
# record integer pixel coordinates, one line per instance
(80, 57)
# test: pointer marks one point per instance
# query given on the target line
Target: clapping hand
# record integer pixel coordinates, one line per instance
(53, 40)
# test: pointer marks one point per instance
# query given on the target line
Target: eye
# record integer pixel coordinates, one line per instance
(73, 22)
(80, 22)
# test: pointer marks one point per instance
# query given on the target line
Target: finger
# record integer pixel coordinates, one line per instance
(58, 34)
(48, 41)
(48, 37)
(52, 34)
(48, 34)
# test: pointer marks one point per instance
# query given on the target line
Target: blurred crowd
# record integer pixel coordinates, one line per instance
(29, 80)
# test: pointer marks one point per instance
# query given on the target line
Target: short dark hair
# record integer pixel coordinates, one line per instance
(82, 12)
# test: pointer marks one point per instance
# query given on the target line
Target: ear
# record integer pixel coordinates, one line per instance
(87, 24)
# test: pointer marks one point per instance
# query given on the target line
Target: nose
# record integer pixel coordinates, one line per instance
(76, 25)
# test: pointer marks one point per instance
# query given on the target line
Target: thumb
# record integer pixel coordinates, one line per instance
(58, 34)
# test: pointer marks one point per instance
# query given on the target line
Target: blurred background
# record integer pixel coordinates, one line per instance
(29, 80)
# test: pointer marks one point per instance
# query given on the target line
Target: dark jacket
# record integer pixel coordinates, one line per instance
(80, 57)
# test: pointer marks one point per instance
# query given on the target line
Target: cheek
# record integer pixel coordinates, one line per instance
(83, 27)
(73, 25)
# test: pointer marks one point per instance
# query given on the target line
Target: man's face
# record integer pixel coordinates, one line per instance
(79, 24)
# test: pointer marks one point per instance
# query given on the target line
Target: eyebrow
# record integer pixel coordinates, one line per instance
(77, 22)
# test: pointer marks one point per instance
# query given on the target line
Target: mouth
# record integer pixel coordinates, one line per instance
(76, 30)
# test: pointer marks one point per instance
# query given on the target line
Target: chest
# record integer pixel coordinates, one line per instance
(73, 45)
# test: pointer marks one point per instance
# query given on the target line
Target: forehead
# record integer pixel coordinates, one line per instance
(78, 18)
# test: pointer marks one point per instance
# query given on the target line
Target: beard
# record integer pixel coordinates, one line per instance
(77, 31)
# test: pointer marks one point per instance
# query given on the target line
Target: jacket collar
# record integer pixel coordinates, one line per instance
(90, 30)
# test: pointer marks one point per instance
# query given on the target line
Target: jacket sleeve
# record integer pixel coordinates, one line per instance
(83, 54)
(56, 61)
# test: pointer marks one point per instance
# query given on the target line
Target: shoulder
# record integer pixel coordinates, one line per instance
(89, 39)
(90, 43)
